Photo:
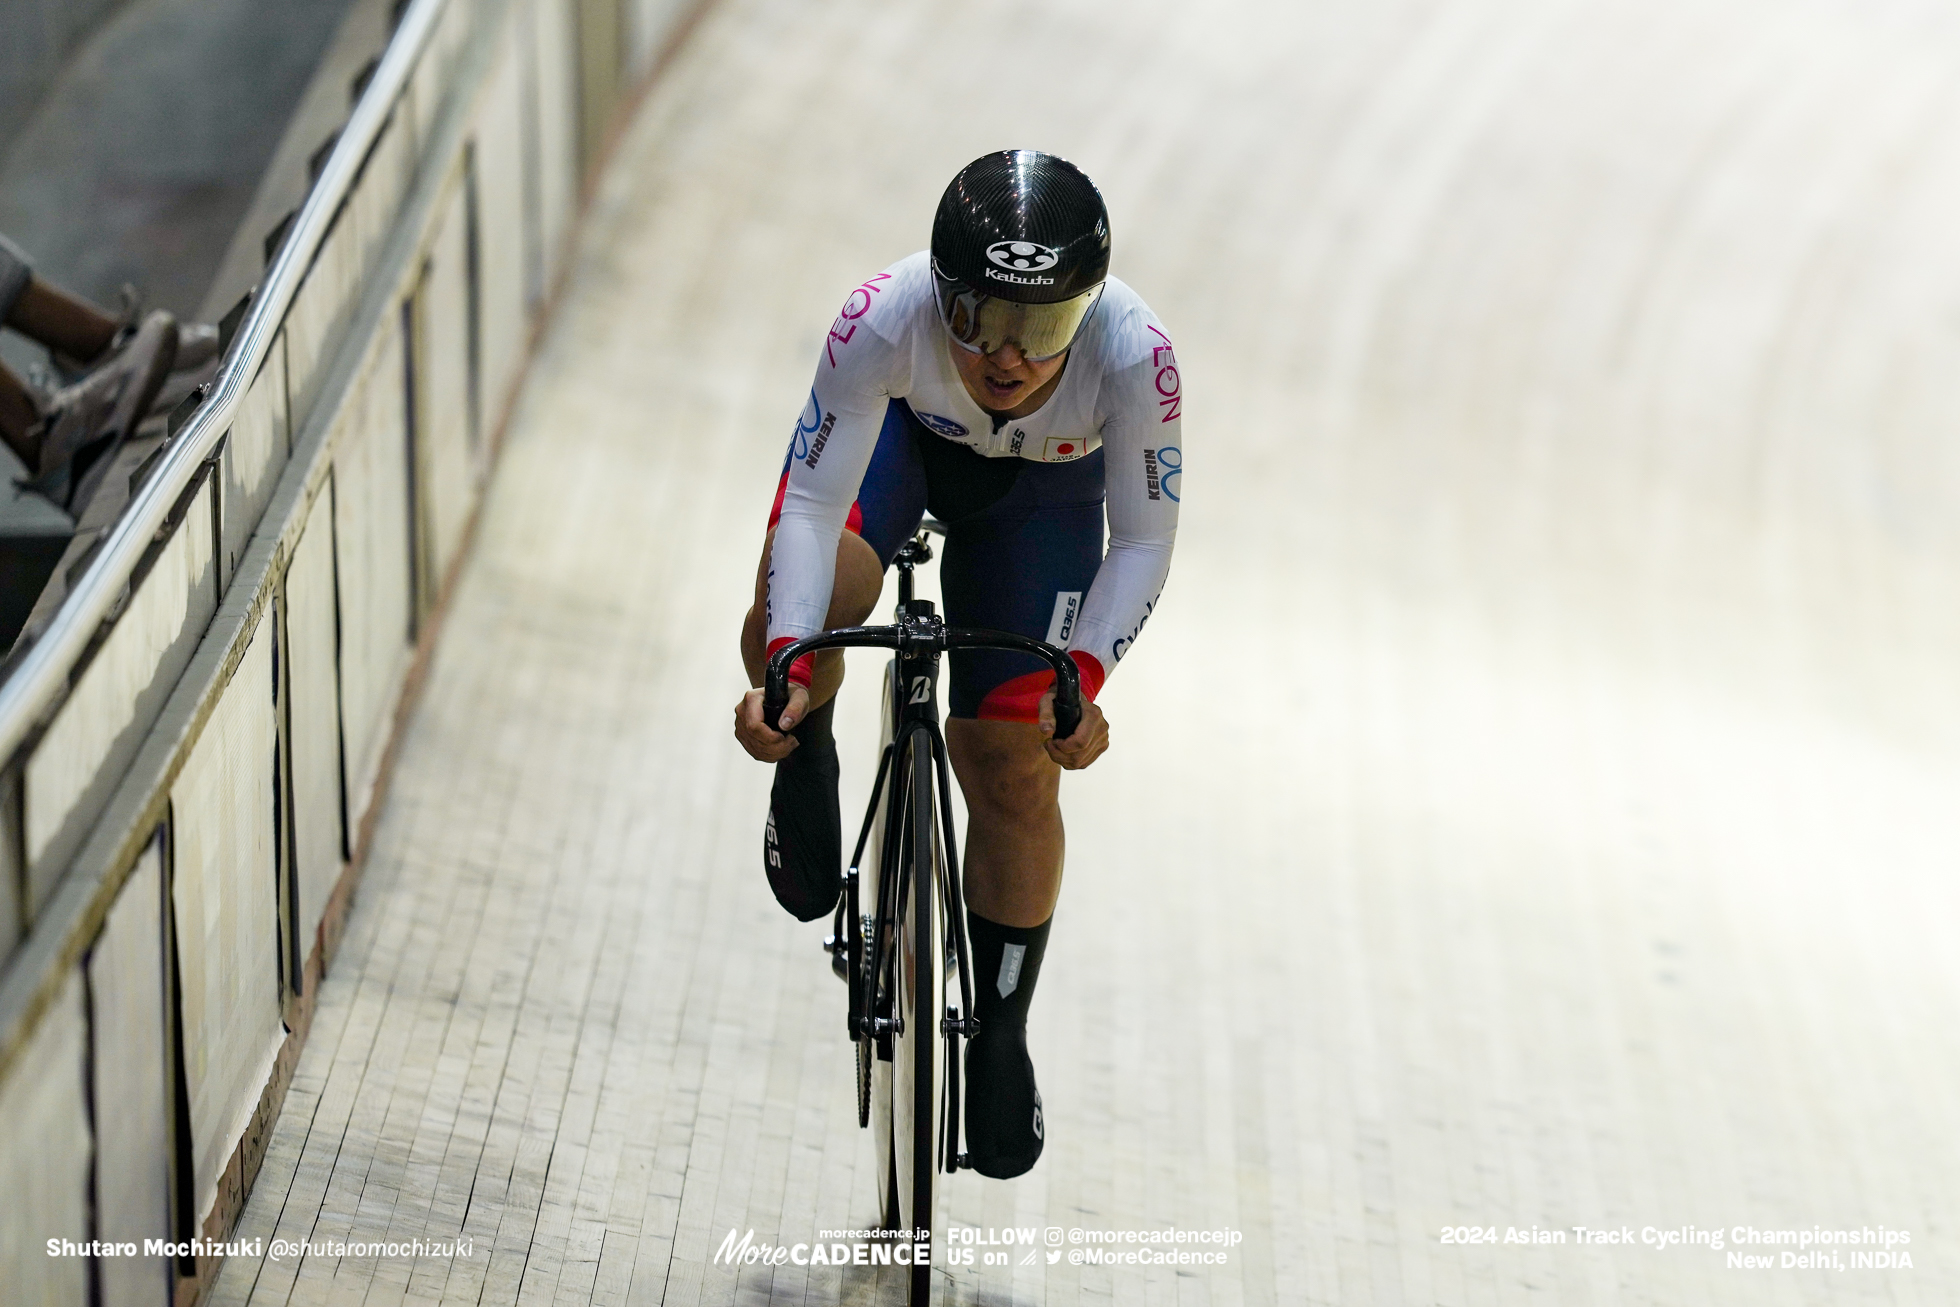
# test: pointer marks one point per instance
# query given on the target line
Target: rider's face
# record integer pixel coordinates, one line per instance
(1005, 380)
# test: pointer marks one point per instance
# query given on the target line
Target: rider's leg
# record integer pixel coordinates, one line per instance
(852, 597)
(802, 840)
(1013, 874)
(1021, 563)
(1014, 842)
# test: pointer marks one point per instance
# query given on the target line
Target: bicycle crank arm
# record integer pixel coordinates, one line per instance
(836, 943)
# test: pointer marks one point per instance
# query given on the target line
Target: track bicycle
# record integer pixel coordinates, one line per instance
(898, 940)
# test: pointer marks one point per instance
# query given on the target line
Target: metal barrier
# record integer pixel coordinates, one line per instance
(195, 744)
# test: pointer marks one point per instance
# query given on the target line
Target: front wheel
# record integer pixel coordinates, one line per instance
(918, 991)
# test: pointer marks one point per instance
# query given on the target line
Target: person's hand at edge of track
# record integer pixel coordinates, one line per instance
(1090, 741)
(770, 743)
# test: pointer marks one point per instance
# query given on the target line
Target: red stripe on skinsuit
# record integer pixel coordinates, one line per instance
(854, 523)
(1019, 700)
(801, 669)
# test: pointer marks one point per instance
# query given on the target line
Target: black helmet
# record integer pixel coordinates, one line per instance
(1020, 249)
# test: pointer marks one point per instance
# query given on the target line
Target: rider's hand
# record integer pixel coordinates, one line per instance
(1090, 740)
(764, 742)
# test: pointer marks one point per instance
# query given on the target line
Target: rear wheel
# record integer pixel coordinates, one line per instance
(878, 982)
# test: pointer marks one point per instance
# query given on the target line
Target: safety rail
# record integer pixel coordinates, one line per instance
(192, 750)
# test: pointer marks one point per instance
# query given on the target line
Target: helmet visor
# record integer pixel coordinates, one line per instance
(983, 323)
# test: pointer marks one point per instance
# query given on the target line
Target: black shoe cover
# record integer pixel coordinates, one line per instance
(802, 848)
(1003, 1108)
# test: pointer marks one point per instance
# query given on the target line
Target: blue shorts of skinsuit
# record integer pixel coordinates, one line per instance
(1023, 542)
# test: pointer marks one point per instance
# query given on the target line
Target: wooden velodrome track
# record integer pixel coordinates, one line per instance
(1532, 805)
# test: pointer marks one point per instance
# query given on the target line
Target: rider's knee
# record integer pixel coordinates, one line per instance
(859, 581)
(855, 586)
(1003, 768)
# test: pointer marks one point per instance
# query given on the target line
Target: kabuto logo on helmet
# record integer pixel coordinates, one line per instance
(1022, 256)
(1020, 251)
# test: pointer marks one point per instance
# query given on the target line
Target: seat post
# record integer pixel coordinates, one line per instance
(910, 554)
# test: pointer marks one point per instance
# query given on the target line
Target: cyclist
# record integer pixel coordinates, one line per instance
(1004, 381)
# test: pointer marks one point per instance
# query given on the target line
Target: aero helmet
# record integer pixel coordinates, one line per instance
(1020, 249)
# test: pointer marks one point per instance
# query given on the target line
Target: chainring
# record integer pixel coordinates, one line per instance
(866, 1046)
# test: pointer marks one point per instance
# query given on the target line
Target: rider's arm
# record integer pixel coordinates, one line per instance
(829, 451)
(1141, 412)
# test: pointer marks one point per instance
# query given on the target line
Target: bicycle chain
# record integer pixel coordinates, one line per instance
(865, 1045)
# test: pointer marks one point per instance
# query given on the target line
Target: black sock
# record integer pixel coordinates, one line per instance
(1004, 957)
(1004, 1130)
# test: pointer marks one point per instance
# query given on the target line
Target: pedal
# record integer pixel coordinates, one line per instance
(840, 956)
